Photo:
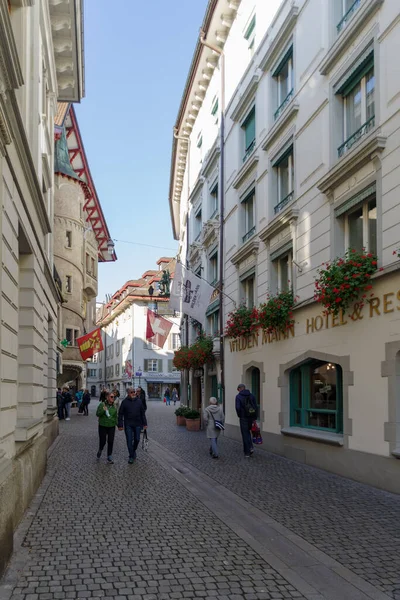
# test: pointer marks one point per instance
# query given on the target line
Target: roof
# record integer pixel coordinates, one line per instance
(62, 110)
(217, 21)
(71, 161)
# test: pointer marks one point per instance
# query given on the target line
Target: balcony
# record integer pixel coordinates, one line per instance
(281, 205)
(249, 234)
(90, 285)
(356, 136)
(343, 22)
(249, 150)
(284, 104)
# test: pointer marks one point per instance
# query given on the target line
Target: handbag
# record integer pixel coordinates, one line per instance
(145, 441)
(218, 424)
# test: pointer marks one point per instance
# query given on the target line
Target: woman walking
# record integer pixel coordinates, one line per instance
(175, 397)
(85, 402)
(167, 396)
(67, 399)
(108, 418)
(213, 414)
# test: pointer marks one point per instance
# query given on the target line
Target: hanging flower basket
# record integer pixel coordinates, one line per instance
(181, 358)
(277, 313)
(242, 321)
(345, 281)
(196, 355)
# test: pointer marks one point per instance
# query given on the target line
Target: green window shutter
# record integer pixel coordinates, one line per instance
(357, 199)
(250, 28)
(285, 58)
(170, 365)
(353, 76)
(159, 369)
(250, 128)
(146, 364)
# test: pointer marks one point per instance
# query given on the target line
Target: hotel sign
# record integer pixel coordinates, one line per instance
(388, 303)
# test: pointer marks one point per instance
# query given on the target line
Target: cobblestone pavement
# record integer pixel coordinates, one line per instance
(131, 532)
(357, 525)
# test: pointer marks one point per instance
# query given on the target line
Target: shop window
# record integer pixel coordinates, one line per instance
(248, 216)
(316, 392)
(284, 171)
(154, 390)
(249, 133)
(284, 86)
(358, 96)
(255, 385)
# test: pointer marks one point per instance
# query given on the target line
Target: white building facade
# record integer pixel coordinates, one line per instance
(128, 359)
(310, 168)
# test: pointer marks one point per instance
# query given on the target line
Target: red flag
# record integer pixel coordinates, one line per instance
(90, 344)
(157, 329)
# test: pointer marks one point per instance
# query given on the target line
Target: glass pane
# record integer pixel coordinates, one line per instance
(370, 86)
(250, 291)
(297, 417)
(249, 214)
(284, 273)
(372, 227)
(355, 221)
(325, 421)
(283, 178)
(323, 387)
(283, 83)
(353, 111)
(347, 5)
(250, 129)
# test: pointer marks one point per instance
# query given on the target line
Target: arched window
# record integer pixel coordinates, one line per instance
(316, 392)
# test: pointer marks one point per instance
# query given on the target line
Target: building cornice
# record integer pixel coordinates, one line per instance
(211, 157)
(279, 40)
(249, 248)
(288, 114)
(9, 61)
(245, 170)
(279, 222)
(245, 99)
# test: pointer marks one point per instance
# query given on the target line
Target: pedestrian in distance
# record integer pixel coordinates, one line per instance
(60, 406)
(175, 397)
(85, 403)
(142, 395)
(108, 418)
(246, 410)
(67, 399)
(103, 395)
(214, 420)
(167, 396)
(132, 418)
(116, 397)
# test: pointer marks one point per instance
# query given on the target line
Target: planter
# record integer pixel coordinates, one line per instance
(193, 424)
(180, 420)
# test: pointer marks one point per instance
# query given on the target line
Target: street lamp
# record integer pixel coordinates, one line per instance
(110, 247)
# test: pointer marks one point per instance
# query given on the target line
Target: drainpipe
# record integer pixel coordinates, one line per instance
(186, 139)
(221, 206)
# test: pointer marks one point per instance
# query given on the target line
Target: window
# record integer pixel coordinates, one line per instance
(214, 109)
(316, 396)
(284, 168)
(198, 223)
(284, 86)
(213, 323)
(250, 35)
(199, 140)
(249, 129)
(175, 341)
(76, 335)
(93, 266)
(152, 365)
(248, 291)
(68, 284)
(358, 93)
(248, 220)
(92, 373)
(154, 390)
(117, 367)
(100, 373)
(214, 205)
(68, 239)
(283, 268)
(360, 227)
(347, 10)
(87, 262)
(117, 348)
(112, 371)
(69, 336)
(213, 269)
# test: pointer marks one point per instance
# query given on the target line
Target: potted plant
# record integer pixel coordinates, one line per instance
(192, 420)
(345, 281)
(277, 313)
(242, 322)
(180, 415)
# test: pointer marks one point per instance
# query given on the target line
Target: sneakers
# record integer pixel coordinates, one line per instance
(110, 460)
(251, 452)
(98, 455)
(67, 419)
(247, 455)
(215, 456)
(131, 461)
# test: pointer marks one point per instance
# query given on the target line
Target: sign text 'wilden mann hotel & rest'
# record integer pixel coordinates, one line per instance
(388, 303)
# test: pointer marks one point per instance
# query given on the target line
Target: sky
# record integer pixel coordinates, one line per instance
(137, 58)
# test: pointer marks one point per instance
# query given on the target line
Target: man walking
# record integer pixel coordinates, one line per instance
(246, 410)
(132, 418)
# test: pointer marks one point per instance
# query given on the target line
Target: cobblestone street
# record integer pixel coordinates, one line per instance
(179, 525)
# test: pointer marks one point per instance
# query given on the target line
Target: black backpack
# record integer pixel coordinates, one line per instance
(249, 409)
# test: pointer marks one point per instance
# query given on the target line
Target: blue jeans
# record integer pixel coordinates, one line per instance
(245, 430)
(67, 408)
(214, 446)
(132, 433)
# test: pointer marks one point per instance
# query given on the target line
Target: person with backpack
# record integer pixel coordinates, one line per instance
(214, 419)
(246, 410)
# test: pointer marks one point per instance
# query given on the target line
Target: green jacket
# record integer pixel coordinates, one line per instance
(105, 421)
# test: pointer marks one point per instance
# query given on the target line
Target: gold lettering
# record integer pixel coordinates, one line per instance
(255, 339)
(310, 325)
(374, 306)
(232, 344)
(243, 343)
(250, 342)
(398, 298)
(327, 320)
(342, 321)
(387, 303)
(264, 337)
(291, 330)
(318, 322)
(335, 322)
(272, 337)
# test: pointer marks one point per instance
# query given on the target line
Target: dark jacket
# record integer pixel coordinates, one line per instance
(66, 398)
(143, 398)
(103, 396)
(241, 402)
(131, 412)
(86, 398)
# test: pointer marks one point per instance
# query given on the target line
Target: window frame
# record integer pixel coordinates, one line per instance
(68, 238)
(68, 284)
(198, 224)
(250, 146)
(281, 100)
(250, 34)
(213, 267)
(249, 232)
(278, 268)
(244, 290)
(365, 223)
(346, 14)
(214, 201)
(304, 407)
(152, 361)
(284, 201)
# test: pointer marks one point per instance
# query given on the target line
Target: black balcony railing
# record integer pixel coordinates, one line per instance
(249, 150)
(283, 203)
(357, 135)
(249, 234)
(284, 104)
(343, 22)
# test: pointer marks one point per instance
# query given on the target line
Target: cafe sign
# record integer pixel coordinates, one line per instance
(387, 303)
